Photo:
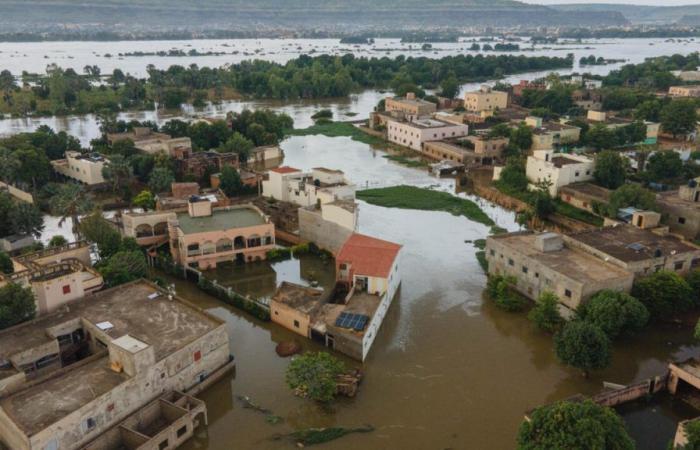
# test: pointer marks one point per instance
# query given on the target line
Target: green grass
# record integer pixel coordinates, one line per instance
(410, 197)
(338, 129)
(403, 160)
(573, 212)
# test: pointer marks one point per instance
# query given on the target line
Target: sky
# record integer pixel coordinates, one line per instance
(629, 2)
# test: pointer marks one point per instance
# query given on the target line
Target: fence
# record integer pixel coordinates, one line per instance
(254, 307)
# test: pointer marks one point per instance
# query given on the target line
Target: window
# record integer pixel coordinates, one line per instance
(493, 252)
(681, 220)
(510, 262)
(678, 265)
(89, 424)
(110, 407)
(524, 269)
(576, 174)
(567, 293)
(537, 274)
(197, 355)
(163, 445)
(66, 289)
(296, 324)
(181, 431)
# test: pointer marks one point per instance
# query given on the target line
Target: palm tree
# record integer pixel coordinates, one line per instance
(70, 202)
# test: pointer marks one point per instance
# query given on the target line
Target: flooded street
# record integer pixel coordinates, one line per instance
(447, 370)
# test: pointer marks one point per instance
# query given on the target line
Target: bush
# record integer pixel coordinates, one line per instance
(545, 314)
(665, 294)
(313, 375)
(582, 345)
(6, 265)
(279, 254)
(502, 291)
(693, 280)
(615, 313)
(574, 425)
(58, 241)
(16, 305)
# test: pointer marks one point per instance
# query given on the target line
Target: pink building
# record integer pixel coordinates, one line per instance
(204, 236)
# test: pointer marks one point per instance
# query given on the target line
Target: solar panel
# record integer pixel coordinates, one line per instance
(357, 322)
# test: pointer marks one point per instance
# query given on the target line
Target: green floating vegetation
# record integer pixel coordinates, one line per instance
(314, 436)
(338, 129)
(401, 159)
(411, 197)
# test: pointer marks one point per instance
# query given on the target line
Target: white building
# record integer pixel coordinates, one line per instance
(414, 134)
(86, 169)
(561, 169)
(319, 186)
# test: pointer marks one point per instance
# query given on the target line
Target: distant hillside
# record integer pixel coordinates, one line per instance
(636, 13)
(308, 14)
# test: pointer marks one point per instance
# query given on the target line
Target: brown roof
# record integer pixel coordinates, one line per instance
(587, 190)
(561, 161)
(369, 256)
(284, 169)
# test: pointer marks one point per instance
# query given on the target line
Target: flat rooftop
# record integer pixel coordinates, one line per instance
(671, 198)
(561, 161)
(628, 244)
(431, 123)
(572, 263)
(221, 219)
(348, 205)
(414, 102)
(301, 298)
(587, 189)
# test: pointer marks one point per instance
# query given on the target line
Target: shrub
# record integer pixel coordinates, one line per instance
(545, 314)
(615, 313)
(664, 293)
(582, 345)
(313, 375)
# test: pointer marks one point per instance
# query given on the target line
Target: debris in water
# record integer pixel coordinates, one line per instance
(288, 348)
(314, 436)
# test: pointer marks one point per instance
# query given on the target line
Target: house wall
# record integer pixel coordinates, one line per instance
(540, 169)
(83, 170)
(180, 371)
(284, 315)
(414, 110)
(328, 233)
(412, 136)
(682, 220)
(485, 100)
(392, 286)
(50, 294)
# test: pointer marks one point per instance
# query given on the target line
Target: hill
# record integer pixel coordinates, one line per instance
(636, 13)
(266, 14)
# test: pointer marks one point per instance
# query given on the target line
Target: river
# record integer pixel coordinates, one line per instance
(447, 369)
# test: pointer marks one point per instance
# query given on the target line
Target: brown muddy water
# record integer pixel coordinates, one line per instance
(447, 369)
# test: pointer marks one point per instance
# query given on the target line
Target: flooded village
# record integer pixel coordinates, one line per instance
(410, 237)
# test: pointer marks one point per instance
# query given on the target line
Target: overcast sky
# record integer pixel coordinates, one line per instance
(629, 2)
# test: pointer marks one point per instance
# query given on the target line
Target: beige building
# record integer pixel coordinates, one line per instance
(69, 377)
(560, 169)
(542, 262)
(148, 228)
(329, 225)
(86, 169)
(586, 196)
(203, 236)
(410, 107)
(320, 186)
(294, 307)
(548, 135)
(469, 150)
(639, 251)
(57, 275)
(684, 91)
(612, 122)
(151, 142)
(681, 209)
(485, 99)
(415, 133)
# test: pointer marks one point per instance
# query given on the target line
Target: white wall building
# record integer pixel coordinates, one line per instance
(414, 134)
(321, 185)
(561, 169)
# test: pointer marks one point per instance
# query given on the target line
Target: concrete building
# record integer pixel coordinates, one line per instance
(586, 196)
(612, 122)
(410, 107)
(348, 318)
(148, 228)
(203, 236)
(319, 186)
(71, 376)
(151, 142)
(560, 169)
(687, 75)
(543, 262)
(684, 91)
(681, 209)
(639, 251)
(328, 225)
(86, 169)
(180, 193)
(468, 150)
(485, 99)
(549, 135)
(265, 156)
(16, 242)
(56, 275)
(415, 133)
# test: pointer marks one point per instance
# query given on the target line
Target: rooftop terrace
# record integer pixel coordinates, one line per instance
(221, 219)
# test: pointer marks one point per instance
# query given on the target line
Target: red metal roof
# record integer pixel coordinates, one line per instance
(285, 169)
(368, 256)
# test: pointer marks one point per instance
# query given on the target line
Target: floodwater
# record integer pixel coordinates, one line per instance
(447, 369)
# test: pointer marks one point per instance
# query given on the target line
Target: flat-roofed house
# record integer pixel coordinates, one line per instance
(69, 377)
(152, 142)
(203, 236)
(684, 91)
(319, 186)
(410, 106)
(415, 133)
(681, 209)
(542, 262)
(559, 168)
(85, 168)
(586, 196)
(485, 99)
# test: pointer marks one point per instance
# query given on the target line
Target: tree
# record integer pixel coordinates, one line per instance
(160, 180)
(601, 137)
(664, 166)
(124, 148)
(540, 201)
(664, 293)
(123, 267)
(27, 219)
(238, 144)
(632, 195)
(17, 305)
(582, 345)
(450, 87)
(58, 241)
(692, 434)
(693, 280)
(230, 181)
(574, 425)
(6, 265)
(98, 230)
(521, 136)
(118, 173)
(70, 201)
(679, 117)
(616, 313)
(610, 169)
(513, 177)
(545, 314)
(503, 293)
(144, 200)
(313, 375)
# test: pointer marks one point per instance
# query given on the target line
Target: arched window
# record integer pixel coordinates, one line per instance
(144, 230)
(254, 240)
(160, 229)
(239, 243)
(224, 245)
(208, 248)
